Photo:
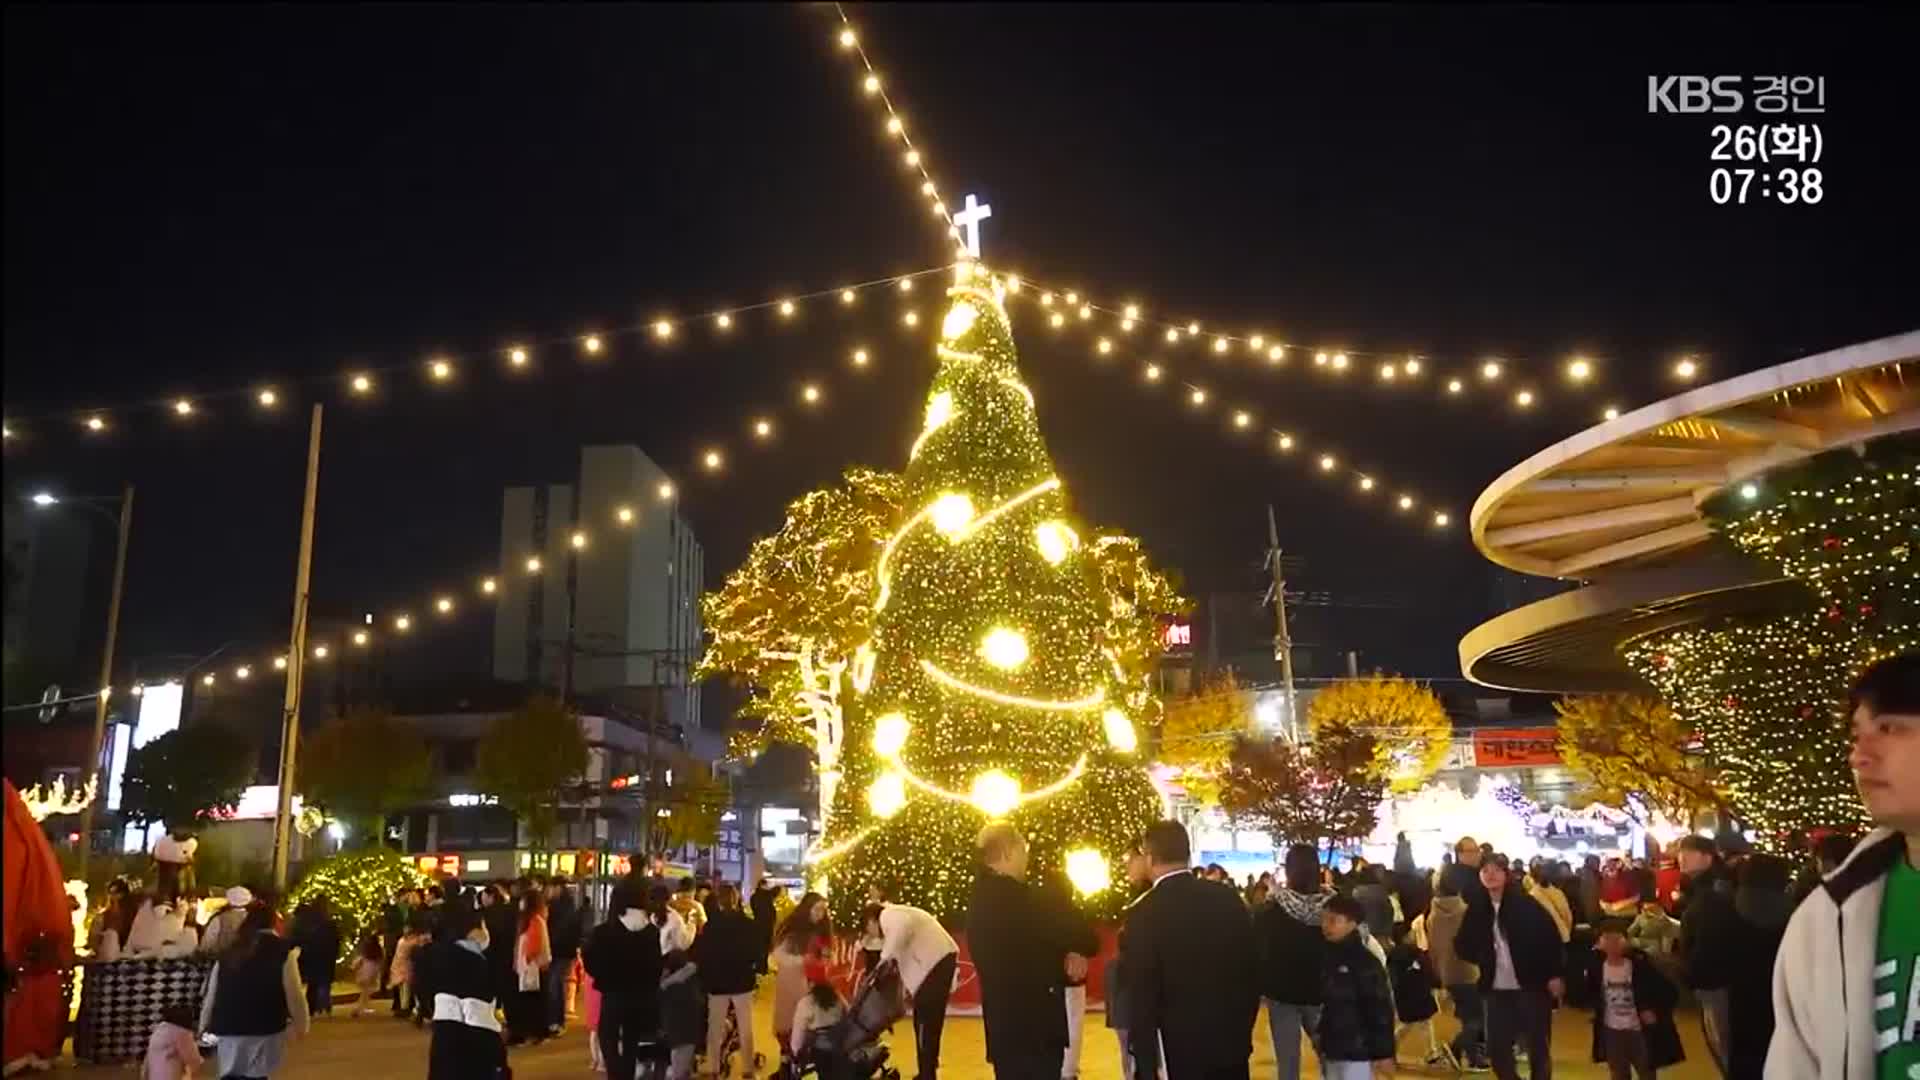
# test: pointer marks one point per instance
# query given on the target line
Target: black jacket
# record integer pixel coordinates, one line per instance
(1651, 990)
(761, 904)
(1759, 922)
(249, 997)
(625, 965)
(1356, 1011)
(1288, 930)
(565, 926)
(1466, 881)
(466, 1037)
(503, 933)
(319, 942)
(1192, 978)
(1019, 938)
(1413, 983)
(1377, 903)
(727, 951)
(1708, 929)
(1533, 939)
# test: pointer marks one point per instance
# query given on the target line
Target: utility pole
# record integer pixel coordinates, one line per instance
(1282, 640)
(296, 665)
(106, 674)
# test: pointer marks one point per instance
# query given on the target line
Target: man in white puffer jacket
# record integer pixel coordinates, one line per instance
(1846, 993)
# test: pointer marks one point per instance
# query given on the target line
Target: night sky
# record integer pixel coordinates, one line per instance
(203, 199)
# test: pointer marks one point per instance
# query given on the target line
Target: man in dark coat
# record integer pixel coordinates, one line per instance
(1707, 934)
(503, 930)
(1192, 983)
(1517, 947)
(565, 928)
(763, 919)
(1026, 945)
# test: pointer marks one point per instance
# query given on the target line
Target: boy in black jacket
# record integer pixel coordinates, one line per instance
(1356, 1011)
(1633, 1003)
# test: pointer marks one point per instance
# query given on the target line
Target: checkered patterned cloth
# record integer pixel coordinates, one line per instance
(121, 1002)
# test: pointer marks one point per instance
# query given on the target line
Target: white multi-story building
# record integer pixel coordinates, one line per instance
(632, 590)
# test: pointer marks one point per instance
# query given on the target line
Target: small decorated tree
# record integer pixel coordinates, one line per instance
(358, 886)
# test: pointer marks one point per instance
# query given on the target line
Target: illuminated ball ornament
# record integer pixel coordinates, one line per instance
(1004, 648)
(1120, 733)
(960, 319)
(1055, 540)
(994, 793)
(1087, 869)
(890, 735)
(887, 795)
(951, 513)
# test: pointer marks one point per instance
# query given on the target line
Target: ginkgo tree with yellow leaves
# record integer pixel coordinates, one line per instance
(1633, 749)
(1409, 728)
(1197, 734)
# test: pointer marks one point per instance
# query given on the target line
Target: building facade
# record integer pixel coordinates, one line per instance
(619, 616)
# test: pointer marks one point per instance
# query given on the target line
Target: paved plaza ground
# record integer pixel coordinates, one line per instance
(377, 1047)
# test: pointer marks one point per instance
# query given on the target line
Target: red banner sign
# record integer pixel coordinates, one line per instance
(1509, 747)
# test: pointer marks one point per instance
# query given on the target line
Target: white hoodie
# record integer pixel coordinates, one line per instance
(1823, 977)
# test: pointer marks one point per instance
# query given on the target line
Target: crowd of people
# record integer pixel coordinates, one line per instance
(1795, 972)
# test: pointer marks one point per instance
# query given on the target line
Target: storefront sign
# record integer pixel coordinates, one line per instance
(1509, 747)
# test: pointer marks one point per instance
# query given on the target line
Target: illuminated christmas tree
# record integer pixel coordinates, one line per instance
(1766, 692)
(993, 687)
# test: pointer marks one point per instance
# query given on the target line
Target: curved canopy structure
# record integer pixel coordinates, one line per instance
(1617, 507)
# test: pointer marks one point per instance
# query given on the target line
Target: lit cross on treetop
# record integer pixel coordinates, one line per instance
(969, 218)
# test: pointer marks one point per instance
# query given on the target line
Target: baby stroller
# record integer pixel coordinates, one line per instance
(851, 1049)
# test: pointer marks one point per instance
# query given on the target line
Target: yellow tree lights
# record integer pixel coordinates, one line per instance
(1003, 671)
(1766, 692)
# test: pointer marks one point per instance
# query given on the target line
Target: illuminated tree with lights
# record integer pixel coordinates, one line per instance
(1767, 692)
(1410, 729)
(994, 685)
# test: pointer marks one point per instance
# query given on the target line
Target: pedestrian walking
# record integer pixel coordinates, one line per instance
(368, 960)
(532, 957)
(318, 939)
(725, 953)
(566, 925)
(253, 1004)
(1706, 939)
(1291, 941)
(1026, 944)
(800, 952)
(1192, 985)
(761, 904)
(683, 1015)
(1458, 975)
(623, 958)
(915, 945)
(466, 1033)
(1355, 1028)
(1516, 946)
(1633, 1002)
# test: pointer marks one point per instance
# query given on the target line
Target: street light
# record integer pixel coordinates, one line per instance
(124, 523)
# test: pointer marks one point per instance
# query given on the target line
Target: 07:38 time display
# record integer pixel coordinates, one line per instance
(1788, 186)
